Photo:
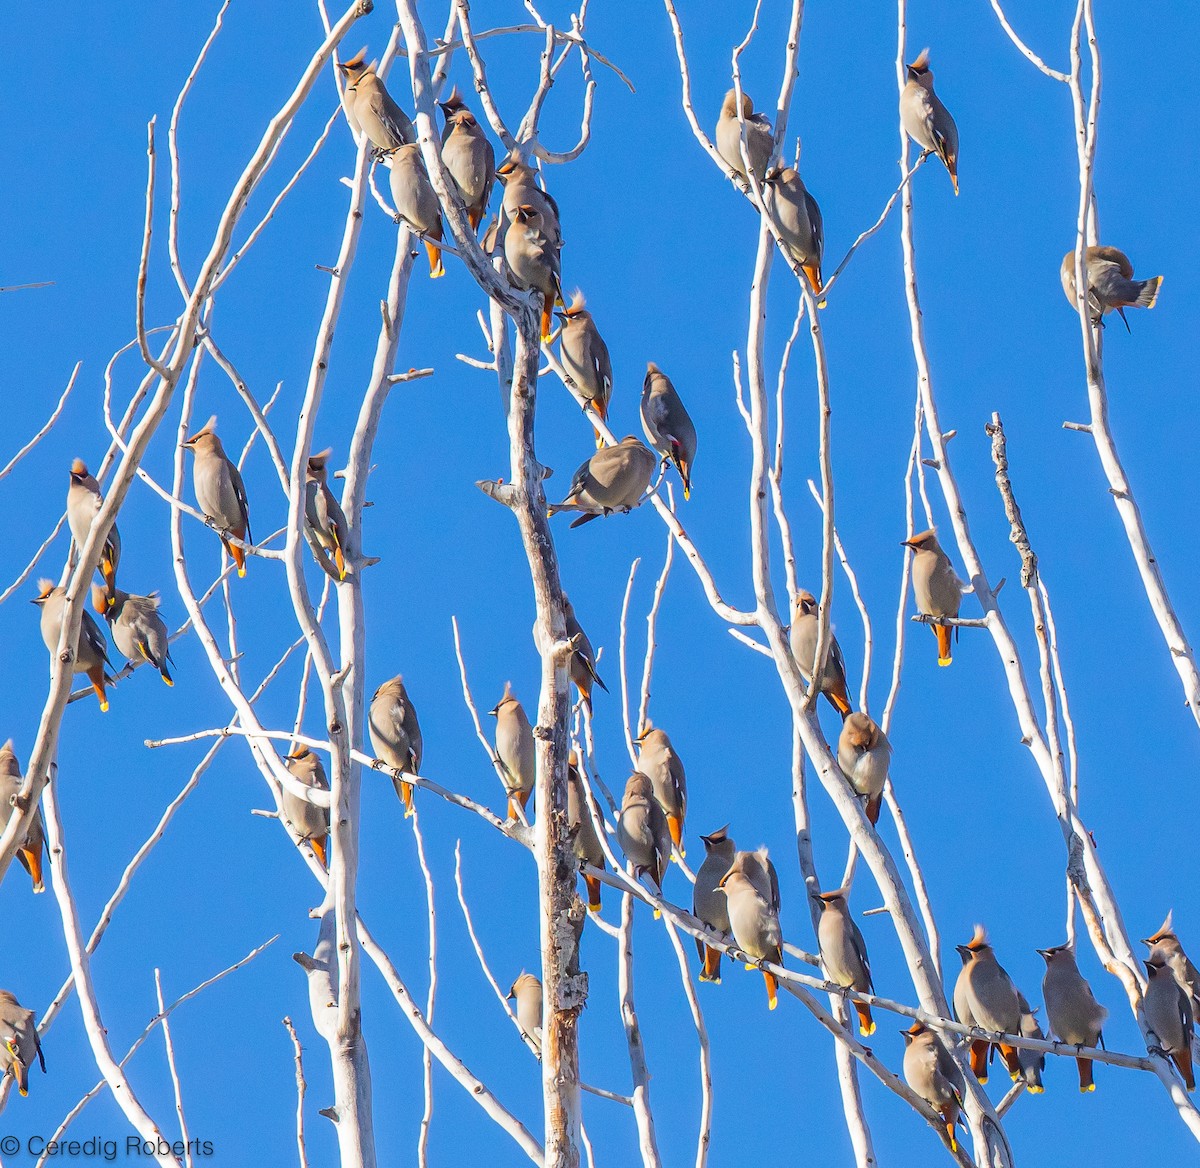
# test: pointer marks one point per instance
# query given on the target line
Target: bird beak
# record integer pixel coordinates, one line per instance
(906, 543)
(188, 443)
(963, 950)
(494, 713)
(1046, 953)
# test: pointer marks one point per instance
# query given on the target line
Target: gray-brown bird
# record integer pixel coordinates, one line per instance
(709, 902)
(310, 822)
(520, 190)
(527, 993)
(468, 156)
(1111, 286)
(803, 639)
(1165, 947)
(1033, 1062)
(532, 259)
(91, 650)
(659, 762)
(137, 629)
(614, 479)
(936, 588)
(323, 513)
(372, 110)
(798, 219)
(584, 840)
(926, 121)
(1072, 1012)
(417, 203)
(760, 140)
(396, 735)
(32, 848)
(1168, 1013)
(933, 1074)
(844, 952)
(642, 830)
(753, 919)
(585, 357)
(515, 750)
(668, 425)
(84, 500)
(992, 1000)
(962, 1011)
(864, 754)
(583, 660)
(19, 1042)
(220, 491)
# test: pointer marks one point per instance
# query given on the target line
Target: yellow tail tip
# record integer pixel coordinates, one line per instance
(593, 908)
(1089, 1087)
(104, 707)
(167, 680)
(409, 812)
(772, 1003)
(24, 1091)
(822, 302)
(953, 1144)
(658, 914)
(867, 1031)
(242, 572)
(944, 661)
(1035, 1090)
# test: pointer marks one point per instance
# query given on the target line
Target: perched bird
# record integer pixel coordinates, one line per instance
(584, 840)
(220, 491)
(417, 202)
(30, 850)
(310, 822)
(659, 762)
(642, 830)
(1169, 1014)
(527, 993)
(371, 109)
(19, 1042)
(926, 121)
(396, 735)
(583, 660)
(1165, 947)
(521, 190)
(1072, 1012)
(759, 869)
(1111, 286)
(137, 629)
(962, 1011)
(91, 649)
(323, 513)
(933, 1074)
(514, 749)
(1033, 1062)
(614, 479)
(798, 219)
(468, 156)
(709, 902)
(863, 753)
(753, 919)
(936, 588)
(84, 500)
(844, 952)
(760, 140)
(803, 638)
(585, 357)
(668, 425)
(991, 999)
(532, 258)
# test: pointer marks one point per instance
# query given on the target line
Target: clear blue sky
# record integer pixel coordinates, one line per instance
(663, 248)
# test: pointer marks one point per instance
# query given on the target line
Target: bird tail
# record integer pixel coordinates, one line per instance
(866, 1024)
(547, 316)
(1012, 1060)
(711, 968)
(436, 267)
(1086, 1082)
(405, 791)
(1148, 292)
(31, 861)
(950, 1115)
(1183, 1060)
(237, 554)
(813, 272)
(676, 826)
(97, 677)
(979, 1059)
(773, 990)
(319, 849)
(21, 1074)
(340, 560)
(874, 806)
(593, 891)
(840, 700)
(943, 640)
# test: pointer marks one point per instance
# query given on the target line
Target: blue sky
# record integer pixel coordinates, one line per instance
(663, 249)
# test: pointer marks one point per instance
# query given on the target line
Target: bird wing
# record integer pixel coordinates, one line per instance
(239, 490)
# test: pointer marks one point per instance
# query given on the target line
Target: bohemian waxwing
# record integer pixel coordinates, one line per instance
(417, 203)
(220, 491)
(668, 425)
(709, 903)
(323, 513)
(962, 1011)
(933, 1074)
(371, 109)
(803, 638)
(514, 749)
(137, 629)
(864, 753)
(1072, 1012)
(642, 830)
(753, 919)
(533, 260)
(527, 993)
(844, 952)
(926, 121)
(583, 660)
(1168, 1013)
(585, 357)
(91, 650)
(1165, 947)
(992, 999)
(1033, 1062)
(760, 140)
(614, 479)
(798, 219)
(1111, 286)
(84, 500)
(396, 735)
(664, 768)
(936, 588)
(468, 156)
(30, 851)
(521, 189)
(19, 1042)
(584, 840)
(310, 822)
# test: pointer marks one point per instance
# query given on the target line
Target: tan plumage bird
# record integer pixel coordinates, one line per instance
(310, 822)
(1168, 1012)
(584, 840)
(220, 491)
(371, 109)
(1072, 1012)
(583, 660)
(864, 754)
(664, 768)
(992, 1001)
(803, 640)
(933, 1074)
(31, 849)
(709, 903)
(1165, 947)
(798, 218)
(521, 190)
(962, 1011)
(614, 479)
(84, 500)
(936, 588)
(1111, 286)
(926, 121)
(396, 735)
(585, 357)
(668, 425)
(515, 750)
(1033, 1062)
(844, 952)
(642, 830)
(468, 156)
(137, 629)
(323, 513)
(416, 202)
(91, 649)
(760, 139)
(19, 1042)
(532, 259)
(753, 919)
(527, 993)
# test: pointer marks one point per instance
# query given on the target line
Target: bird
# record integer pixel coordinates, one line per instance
(992, 1000)
(668, 425)
(19, 1042)
(709, 903)
(1165, 947)
(396, 735)
(614, 479)
(864, 754)
(933, 1074)
(753, 919)
(659, 762)
(84, 500)
(514, 750)
(584, 840)
(468, 156)
(532, 259)
(803, 639)
(962, 1011)
(1110, 283)
(521, 190)
(371, 109)
(642, 830)
(926, 121)
(844, 952)
(583, 660)
(91, 649)
(1033, 1062)
(416, 202)
(137, 629)
(310, 822)
(31, 849)
(323, 513)
(1168, 1011)
(760, 140)
(1072, 1012)
(220, 491)
(585, 358)
(936, 588)
(798, 219)
(527, 993)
